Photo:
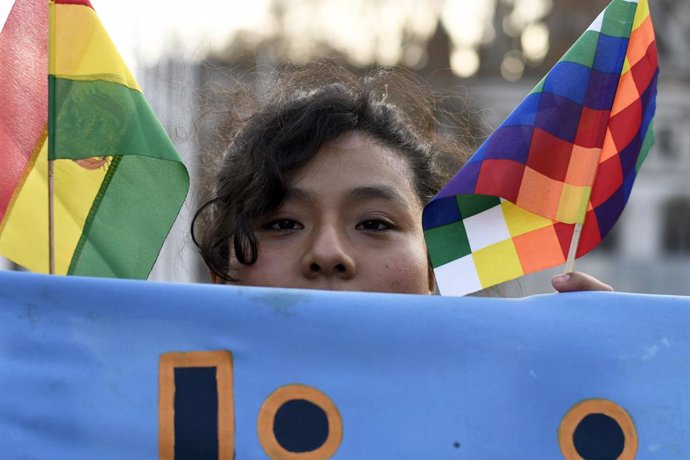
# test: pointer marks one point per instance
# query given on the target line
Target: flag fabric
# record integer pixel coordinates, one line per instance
(67, 95)
(568, 154)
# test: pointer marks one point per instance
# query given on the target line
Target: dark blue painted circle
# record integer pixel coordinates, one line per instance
(599, 437)
(300, 426)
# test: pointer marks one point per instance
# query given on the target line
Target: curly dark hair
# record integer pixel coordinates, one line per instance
(270, 139)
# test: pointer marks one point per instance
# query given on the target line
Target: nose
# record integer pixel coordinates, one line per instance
(329, 254)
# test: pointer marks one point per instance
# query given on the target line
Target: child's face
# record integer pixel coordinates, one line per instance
(351, 221)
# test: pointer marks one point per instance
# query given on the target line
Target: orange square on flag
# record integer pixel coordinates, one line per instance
(626, 93)
(583, 166)
(637, 49)
(539, 249)
(609, 148)
(539, 194)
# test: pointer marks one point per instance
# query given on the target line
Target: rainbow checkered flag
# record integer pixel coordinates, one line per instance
(566, 157)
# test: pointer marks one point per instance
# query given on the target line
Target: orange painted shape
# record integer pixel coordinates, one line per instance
(222, 361)
(596, 406)
(273, 403)
(583, 166)
(539, 194)
(626, 94)
(539, 249)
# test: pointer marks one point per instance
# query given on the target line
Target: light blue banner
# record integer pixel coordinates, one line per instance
(408, 376)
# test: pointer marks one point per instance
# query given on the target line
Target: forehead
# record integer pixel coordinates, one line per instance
(356, 159)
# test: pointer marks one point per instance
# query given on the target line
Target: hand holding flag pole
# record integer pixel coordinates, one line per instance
(552, 179)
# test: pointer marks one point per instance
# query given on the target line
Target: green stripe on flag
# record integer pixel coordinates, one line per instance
(582, 52)
(471, 205)
(618, 18)
(125, 231)
(99, 118)
(646, 145)
(447, 243)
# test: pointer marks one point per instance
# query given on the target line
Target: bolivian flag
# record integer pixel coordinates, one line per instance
(66, 94)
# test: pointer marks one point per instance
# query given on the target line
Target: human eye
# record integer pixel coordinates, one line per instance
(376, 225)
(283, 225)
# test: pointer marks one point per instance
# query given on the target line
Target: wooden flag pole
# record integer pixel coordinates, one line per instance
(570, 262)
(51, 220)
(51, 143)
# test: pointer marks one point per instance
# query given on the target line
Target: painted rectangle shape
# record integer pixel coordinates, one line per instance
(196, 413)
(196, 406)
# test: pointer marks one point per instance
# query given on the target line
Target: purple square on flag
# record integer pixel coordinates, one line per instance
(510, 143)
(465, 180)
(558, 116)
(441, 212)
(602, 90)
(628, 184)
(610, 54)
(608, 212)
(628, 156)
(525, 113)
(568, 79)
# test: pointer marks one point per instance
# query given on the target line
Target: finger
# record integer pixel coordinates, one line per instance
(578, 281)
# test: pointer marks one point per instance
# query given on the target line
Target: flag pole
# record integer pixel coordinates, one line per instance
(51, 179)
(51, 220)
(570, 262)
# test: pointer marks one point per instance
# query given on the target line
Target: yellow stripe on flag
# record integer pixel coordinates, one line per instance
(641, 13)
(497, 263)
(572, 206)
(520, 221)
(83, 50)
(24, 238)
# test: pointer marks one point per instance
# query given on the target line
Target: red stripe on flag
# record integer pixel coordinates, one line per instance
(591, 131)
(23, 91)
(609, 179)
(501, 178)
(564, 233)
(74, 2)
(644, 71)
(625, 125)
(590, 236)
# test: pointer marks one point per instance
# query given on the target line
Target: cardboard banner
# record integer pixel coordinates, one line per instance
(111, 369)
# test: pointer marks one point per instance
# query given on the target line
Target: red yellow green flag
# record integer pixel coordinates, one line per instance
(67, 95)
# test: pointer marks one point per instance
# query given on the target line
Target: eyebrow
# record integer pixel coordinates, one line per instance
(378, 192)
(357, 194)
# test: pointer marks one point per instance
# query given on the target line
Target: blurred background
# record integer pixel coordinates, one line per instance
(491, 52)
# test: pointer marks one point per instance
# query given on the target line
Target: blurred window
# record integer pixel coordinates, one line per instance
(666, 142)
(676, 231)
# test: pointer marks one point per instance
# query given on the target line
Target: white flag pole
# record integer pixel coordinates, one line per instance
(570, 262)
